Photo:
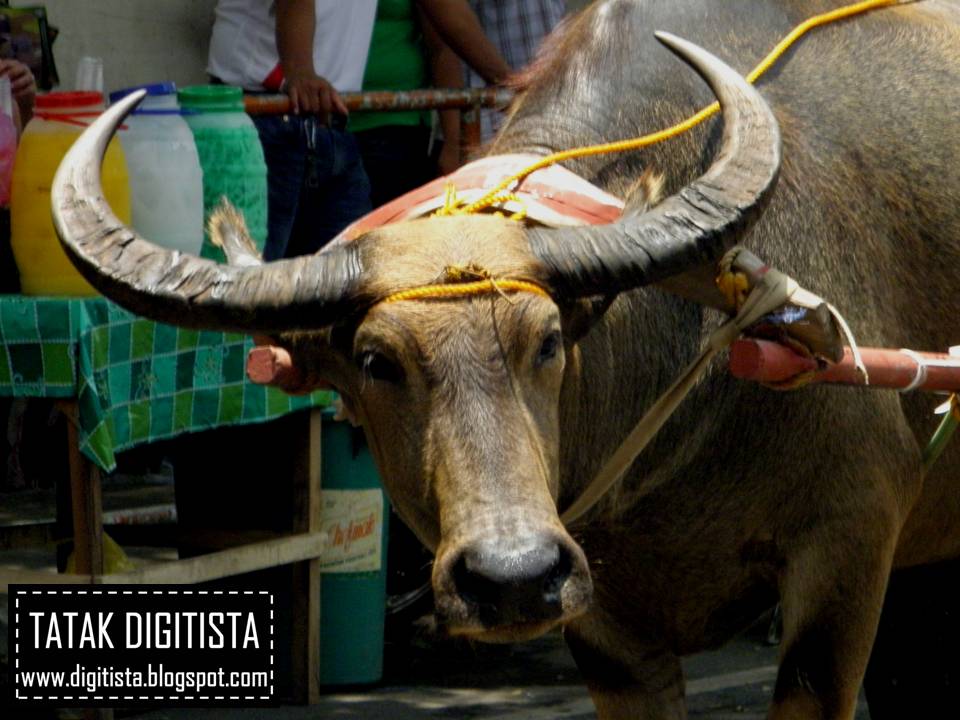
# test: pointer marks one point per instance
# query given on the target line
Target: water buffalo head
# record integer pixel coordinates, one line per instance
(459, 397)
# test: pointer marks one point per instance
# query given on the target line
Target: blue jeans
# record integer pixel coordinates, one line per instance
(388, 147)
(316, 184)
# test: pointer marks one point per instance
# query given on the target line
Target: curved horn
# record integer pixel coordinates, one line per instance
(690, 228)
(165, 285)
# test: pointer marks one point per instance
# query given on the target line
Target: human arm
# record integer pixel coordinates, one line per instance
(309, 93)
(446, 71)
(460, 28)
(23, 87)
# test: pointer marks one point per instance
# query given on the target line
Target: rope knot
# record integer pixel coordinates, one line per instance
(473, 273)
(470, 280)
(453, 204)
(466, 273)
(735, 286)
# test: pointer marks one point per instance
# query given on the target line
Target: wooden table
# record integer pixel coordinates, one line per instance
(82, 378)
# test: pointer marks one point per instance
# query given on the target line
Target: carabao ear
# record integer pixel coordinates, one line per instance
(228, 231)
(300, 362)
(579, 316)
(645, 192)
(692, 227)
(161, 284)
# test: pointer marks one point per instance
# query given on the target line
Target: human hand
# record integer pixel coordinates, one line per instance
(311, 94)
(22, 82)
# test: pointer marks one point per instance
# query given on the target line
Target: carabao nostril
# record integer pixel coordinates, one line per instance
(505, 587)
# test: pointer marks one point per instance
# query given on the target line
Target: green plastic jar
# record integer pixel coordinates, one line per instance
(231, 157)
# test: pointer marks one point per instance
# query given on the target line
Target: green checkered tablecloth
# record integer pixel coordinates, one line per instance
(136, 381)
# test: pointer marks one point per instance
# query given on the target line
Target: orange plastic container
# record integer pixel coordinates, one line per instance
(58, 121)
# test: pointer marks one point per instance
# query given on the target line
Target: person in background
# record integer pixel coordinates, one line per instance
(516, 28)
(24, 89)
(461, 29)
(312, 50)
(411, 49)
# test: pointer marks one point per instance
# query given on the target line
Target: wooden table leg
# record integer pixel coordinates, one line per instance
(87, 506)
(306, 575)
(64, 527)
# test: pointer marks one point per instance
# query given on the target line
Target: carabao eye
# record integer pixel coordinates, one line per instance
(377, 366)
(548, 348)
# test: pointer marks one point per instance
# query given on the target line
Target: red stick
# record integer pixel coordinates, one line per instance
(770, 362)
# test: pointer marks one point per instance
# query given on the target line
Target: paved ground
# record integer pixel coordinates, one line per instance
(532, 681)
(535, 681)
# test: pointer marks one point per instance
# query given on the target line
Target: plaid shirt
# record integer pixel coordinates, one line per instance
(516, 28)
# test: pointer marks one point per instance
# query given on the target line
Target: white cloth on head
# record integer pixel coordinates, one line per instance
(243, 47)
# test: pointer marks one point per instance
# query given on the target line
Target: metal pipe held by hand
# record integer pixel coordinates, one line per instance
(425, 99)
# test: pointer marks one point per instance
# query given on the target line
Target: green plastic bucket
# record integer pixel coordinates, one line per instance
(353, 583)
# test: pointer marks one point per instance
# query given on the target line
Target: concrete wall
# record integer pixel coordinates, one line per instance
(139, 40)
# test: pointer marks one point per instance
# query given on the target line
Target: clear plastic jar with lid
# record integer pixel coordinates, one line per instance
(166, 183)
(57, 122)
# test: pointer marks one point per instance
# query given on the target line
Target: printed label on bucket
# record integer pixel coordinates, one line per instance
(353, 523)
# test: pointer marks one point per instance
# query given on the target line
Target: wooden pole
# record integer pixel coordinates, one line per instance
(306, 575)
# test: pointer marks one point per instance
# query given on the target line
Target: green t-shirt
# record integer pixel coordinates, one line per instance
(396, 62)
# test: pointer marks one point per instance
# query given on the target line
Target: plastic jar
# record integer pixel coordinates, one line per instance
(57, 122)
(230, 155)
(166, 183)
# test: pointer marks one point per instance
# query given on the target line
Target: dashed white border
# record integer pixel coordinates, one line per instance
(16, 645)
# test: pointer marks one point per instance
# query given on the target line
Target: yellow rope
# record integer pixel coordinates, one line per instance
(495, 196)
(459, 283)
(465, 289)
(453, 204)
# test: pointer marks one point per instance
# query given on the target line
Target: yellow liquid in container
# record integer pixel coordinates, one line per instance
(43, 265)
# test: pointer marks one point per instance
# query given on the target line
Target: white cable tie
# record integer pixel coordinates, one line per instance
(851, 342)
(920, 377)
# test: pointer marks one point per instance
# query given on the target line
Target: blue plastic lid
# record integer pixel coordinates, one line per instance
(163, 88)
